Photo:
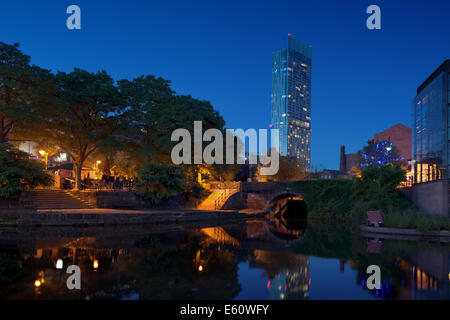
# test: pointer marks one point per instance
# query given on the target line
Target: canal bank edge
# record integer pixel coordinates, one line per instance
(405, 234)
(116, 217)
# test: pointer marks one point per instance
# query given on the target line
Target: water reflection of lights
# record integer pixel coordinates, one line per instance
(219, 235)
(423, 280)
(59, 264)
(39, 282)
(418, 279)
(291, 283)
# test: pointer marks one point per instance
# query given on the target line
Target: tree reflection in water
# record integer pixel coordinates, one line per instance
(203, 262)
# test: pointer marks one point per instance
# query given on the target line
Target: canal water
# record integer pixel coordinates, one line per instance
(253, 259)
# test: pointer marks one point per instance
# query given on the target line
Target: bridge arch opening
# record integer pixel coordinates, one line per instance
(290, 206)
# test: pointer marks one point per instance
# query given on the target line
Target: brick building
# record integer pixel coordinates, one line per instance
(400, 136)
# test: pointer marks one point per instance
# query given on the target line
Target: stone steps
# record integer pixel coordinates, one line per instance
(56, 199)
(216, 199)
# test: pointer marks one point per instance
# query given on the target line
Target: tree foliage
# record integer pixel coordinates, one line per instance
(380, 154)
(82, 117)
(289, 170)
(23, 90)
(18, 173)
(378, 185)
(160, 181)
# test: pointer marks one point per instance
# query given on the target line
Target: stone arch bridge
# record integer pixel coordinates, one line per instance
(261, 195)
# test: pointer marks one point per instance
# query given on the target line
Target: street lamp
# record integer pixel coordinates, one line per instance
(44, 154)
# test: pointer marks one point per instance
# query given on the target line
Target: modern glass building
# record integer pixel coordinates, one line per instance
(291, 99)
(431, 127)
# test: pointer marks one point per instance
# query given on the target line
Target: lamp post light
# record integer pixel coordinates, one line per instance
(95, 264)
(45, 155)
(97, 165)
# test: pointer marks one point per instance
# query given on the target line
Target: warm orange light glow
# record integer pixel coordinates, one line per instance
(42, 152)
(200, 268)
(99, 161)
(95, 265)
(37, 283)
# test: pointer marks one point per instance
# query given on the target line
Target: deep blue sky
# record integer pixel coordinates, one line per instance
(362, 82)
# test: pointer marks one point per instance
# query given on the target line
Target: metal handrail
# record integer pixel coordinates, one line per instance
(221, 199)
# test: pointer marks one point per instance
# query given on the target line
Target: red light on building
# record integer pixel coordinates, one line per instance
(268, 284)
(289, 35)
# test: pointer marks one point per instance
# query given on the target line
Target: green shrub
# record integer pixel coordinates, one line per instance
(160, 181)
(18, 173)
(327, 199)
(378, 185)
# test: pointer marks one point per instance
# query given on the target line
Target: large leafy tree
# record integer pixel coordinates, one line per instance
(24, 88)
(153, 112)
(145, 98)
(83, 115)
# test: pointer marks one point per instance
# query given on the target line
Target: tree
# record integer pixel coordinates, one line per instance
(378, 184)
(380, 153)
(289, 170)
(83, 117)
(145, 98)
(18, 173)
(23, 89)
(153, 112)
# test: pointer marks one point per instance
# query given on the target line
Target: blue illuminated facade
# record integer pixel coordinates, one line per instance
(291, 99)
(431, 129)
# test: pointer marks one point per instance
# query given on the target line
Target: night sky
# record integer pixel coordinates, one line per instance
(363, 81)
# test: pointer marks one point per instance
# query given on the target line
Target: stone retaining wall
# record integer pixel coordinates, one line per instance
(110, 199)
(96, 219)
(431, 197)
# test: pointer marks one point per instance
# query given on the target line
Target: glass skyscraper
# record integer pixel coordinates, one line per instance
(291, 99)
(431, 129)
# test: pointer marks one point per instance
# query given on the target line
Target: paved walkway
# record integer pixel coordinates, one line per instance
(131, 211)
(103, 217)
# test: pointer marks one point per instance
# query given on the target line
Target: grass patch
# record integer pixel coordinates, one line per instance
(414, 219)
